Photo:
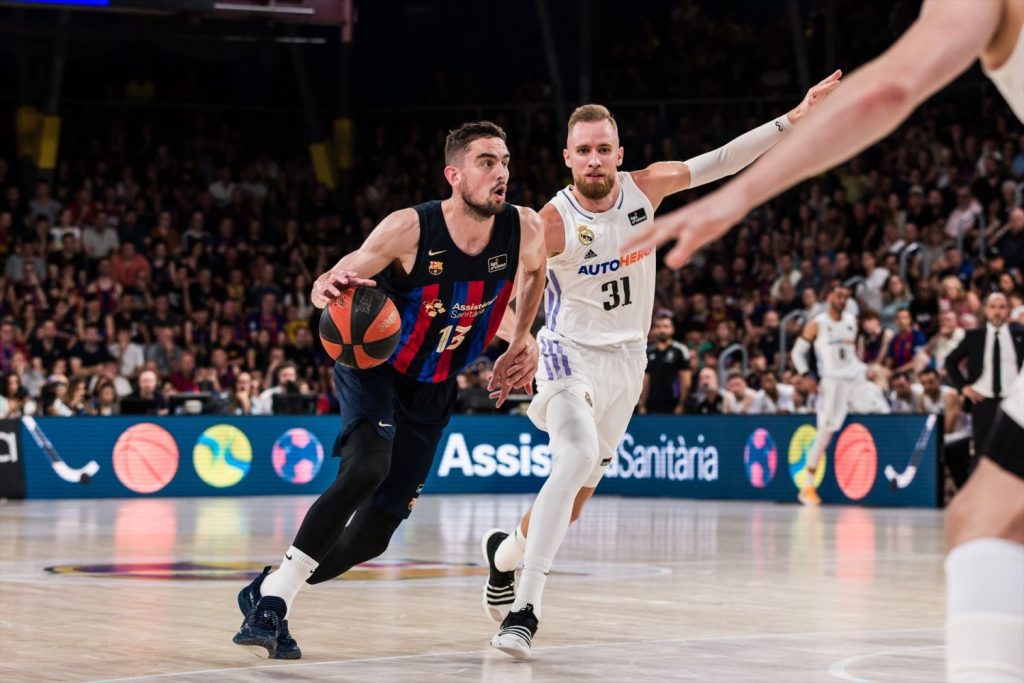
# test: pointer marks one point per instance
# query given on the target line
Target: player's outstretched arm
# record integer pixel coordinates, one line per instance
(517, 366)
(395, 238)
(663, 178)
(803, 346)
(946, 39)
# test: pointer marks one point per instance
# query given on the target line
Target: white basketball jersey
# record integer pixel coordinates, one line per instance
(1009, 78)
(594, 297)
(836, 347)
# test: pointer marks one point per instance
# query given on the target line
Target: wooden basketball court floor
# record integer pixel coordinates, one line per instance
(643, 590)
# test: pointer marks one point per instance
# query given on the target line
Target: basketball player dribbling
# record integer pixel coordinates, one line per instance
(450, 267)
(843, 386)
(985, 521)
(594, 343)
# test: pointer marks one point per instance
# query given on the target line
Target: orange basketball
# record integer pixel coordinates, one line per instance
(360, 328)
(145, 458)
(856, 461)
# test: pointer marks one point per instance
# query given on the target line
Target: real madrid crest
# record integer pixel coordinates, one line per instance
(585, 234)
(435, 267)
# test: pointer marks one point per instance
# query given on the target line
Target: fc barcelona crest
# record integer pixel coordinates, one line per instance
(435, 267)
(585, 235)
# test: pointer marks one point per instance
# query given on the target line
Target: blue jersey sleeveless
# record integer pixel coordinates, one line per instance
(451, 303)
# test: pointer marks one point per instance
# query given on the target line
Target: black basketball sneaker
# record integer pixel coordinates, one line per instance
(500, 589)
(248, 598)
(515, 637)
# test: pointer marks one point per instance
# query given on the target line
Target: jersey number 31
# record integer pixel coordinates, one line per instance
(615, 299)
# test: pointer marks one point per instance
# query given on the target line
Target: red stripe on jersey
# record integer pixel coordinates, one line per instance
(419, 331)
(474, 297)
(499, 311)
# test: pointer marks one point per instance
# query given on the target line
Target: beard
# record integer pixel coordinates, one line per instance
(485, 210)
(595, 189)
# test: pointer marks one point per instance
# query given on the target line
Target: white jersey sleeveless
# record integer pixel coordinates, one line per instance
(936, 406)
(836, 347)
(1009, 78)
(595, 298)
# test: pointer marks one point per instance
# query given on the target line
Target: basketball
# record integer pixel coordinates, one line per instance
(360, 328)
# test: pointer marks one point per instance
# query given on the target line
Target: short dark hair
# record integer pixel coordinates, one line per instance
(928, 371)
(833, 285)
(459, 140)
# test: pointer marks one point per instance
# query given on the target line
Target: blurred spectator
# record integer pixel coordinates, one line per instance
(99, 239)
(164, 353)
(104, 402)
(949, 336)
(286, 375)
(904, 395)
(905, 344)
(706, 399)
(51, 397)
(895, 297)
(91, 351)
(774, 397)
(42, 204)
(147, 395)
(667, 378)
(129, 355)
(740, 399)
(17, 402)
(126, 264)
(874, 340)
(241, 400)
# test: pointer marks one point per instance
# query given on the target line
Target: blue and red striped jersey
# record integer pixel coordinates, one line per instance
(451, 303)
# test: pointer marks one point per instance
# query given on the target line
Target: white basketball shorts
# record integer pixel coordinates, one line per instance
(607, 379)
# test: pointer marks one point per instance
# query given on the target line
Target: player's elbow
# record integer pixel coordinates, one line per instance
(885, 95)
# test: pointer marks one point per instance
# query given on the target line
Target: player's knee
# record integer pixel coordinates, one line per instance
(365, 458)
(975, 514)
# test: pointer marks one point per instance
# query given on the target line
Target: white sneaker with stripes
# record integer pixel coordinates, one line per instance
(515, 637)
(500, 589)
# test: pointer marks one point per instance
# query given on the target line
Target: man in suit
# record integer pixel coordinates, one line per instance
(994, 354)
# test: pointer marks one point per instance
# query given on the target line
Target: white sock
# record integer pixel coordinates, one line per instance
(574, 452)
(510, 551)
(818, 447)
(985, 612)
(290, 577)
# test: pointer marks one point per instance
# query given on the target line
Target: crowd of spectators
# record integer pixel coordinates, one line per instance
(176, 258)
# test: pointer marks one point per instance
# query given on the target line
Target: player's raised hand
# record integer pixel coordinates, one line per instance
(816, 95)
(330, 284)
(692, 227)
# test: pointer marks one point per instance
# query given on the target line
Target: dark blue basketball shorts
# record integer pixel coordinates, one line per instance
(410, 414)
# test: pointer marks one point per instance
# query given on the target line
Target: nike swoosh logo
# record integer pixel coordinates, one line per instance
(287, 557)
(435, 253)
(382, 423)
